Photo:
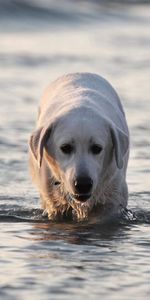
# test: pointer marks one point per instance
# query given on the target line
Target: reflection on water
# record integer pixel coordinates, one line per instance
(69, 260)
(40, 41)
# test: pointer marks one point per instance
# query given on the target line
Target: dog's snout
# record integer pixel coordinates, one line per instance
(83, 185)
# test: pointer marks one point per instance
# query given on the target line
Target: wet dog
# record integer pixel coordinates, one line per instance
(78, 153)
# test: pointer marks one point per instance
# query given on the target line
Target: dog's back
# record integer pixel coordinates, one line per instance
(81, 89)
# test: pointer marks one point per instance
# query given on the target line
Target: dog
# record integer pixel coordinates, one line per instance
(78, 152)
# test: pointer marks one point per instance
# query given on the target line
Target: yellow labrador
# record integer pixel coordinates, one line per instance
(78, 153)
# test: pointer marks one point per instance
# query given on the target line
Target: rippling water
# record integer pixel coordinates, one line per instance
(40, 40)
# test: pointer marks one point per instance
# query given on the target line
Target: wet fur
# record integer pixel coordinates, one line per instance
(58, 205)
(109, 197)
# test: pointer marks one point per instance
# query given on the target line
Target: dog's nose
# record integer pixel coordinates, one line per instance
(83, 185)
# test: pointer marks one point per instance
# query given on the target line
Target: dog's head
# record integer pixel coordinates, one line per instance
(79, 149)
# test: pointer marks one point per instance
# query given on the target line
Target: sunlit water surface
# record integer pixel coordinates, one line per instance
(38, 42)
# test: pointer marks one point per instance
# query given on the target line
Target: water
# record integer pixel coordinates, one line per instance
(40, 40)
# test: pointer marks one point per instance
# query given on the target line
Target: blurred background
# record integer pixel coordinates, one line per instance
(39, 41)
(43, 39)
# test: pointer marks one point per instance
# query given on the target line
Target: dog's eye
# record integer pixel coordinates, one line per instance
(95, 149)
(67, 148)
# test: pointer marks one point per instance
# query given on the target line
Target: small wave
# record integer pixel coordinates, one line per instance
(142, 216)
(25, 7)
(50, 10)
(127, 217)
(25, 215)
(38, 61)
(25, 209)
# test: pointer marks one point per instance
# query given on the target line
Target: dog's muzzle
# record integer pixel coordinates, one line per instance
(82, 188)
(80, 197)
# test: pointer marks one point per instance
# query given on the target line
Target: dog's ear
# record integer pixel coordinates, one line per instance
(34, 142)
(121, 143)
(37, 142)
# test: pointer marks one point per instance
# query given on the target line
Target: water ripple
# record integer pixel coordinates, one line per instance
(16, 213)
